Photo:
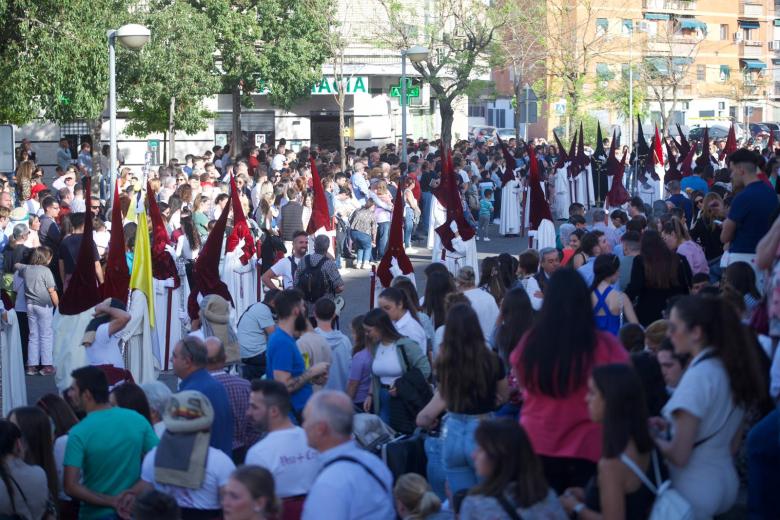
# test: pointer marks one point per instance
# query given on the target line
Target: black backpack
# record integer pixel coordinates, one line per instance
(312, 281)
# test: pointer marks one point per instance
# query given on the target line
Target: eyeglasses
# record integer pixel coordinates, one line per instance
(95, 207)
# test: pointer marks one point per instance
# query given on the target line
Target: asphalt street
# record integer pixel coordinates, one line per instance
(356, 296)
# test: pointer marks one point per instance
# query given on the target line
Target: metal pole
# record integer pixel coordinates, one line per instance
(631, 98)
(525, 127)
(403, 107)
(111, 111)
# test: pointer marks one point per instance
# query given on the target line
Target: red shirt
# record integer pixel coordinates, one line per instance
(252, 164)
(561, 427)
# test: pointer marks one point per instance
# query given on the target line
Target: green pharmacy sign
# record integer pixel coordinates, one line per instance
(412, 90)
(327, 85)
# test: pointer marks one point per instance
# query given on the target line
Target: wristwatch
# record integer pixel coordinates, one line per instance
(578, 508)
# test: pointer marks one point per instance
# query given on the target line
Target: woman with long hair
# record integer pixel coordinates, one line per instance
(188, 242)
(490, 279)
(677, 239)
(507, 265)
(702, 422)
(741, 278)
(406, 285)
(609, 304)
(515, 319)
(573, 247)
(437, 286)
(472, 384)
(390, 352)
(512, 484)
(62, 419)
(553, 362)
(397, 304)
(359, 382)
(250, 495)
(24, 489)
(706, 230)
(38, 443)
(132, 397)
(657, 274)
(616, 401)
(589, 249)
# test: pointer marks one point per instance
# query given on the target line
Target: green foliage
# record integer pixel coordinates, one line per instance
(618, 98)
(176, 62)
(54, 58)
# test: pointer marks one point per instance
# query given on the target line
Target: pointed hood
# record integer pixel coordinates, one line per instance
(672, 170)
(685, 146)
(320, 218)
(206, 269)
(612, 161)
(163, 265)
(572, 155)
(642, 150)
(117, 276)
(731, 144)
(659, 152)
(241, 227)
(83, 292)
(539, 209)
(686, 166)
(771, 143)
(395, 245)
(599, 151)
(703, 160)
(448, 195)
(580, 161)
(562, 156)
(618, 195)
(652, 158)
(511, 164)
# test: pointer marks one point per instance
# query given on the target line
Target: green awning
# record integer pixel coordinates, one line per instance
(660, 65)
(692, 23)
(777, 22)
(656, 16)
(749, 24)
(725, 72)
(753, 64)
(602, 23)
(682, 61)
(629, 24)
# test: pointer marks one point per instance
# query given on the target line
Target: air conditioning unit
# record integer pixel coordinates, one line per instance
(721, 105)
(686, 105)
(737, 36)
(774, 45)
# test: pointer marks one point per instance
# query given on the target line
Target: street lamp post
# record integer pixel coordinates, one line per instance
(416, 54)
(132, 36)
(525, 127)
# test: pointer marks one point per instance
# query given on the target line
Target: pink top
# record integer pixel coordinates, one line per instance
(695, 256)
(561, 427)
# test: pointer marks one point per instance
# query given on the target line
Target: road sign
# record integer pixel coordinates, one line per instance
(154, 143)
(560, 107)
(412, 90)
(259, 139)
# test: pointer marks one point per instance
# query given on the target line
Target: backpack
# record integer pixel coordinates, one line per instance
(312, 281)
(668, 504)
(473, 200)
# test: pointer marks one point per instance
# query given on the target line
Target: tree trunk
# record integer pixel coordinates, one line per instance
(172, 130)
(341, 101)
(235, 145)
(447, 118)
(517, 88)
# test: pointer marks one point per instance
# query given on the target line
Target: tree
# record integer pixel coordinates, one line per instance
(523, 46)
(273, 43)
(462, 37)
(619, 98)
(666, 71)
(54, 60)
(164, 84)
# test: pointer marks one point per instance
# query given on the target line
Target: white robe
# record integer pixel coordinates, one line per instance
(395, 271)
(562, 198)
(142, 361)
(69, 353)
(241, 281)
(583, 188)
(437, 218)
(178, 307)
(511, 200)
(13, 387)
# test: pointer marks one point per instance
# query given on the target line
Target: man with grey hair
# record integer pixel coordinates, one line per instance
(158, 394)
(352, 483)
(600, 224)
(550, 261)
(318, 276)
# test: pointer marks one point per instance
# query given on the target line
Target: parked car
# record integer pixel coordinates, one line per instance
(715, 132)
(759, 131)
(487, 131)
(774, 128)
(507, 133)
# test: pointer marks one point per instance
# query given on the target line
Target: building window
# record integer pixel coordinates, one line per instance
(496, 117)
(701, 73)
(624, 70)
(747, 34)
(725, 72)
(603, 73)
(626, 27)
(724, 31)
(706, 113)
(476, 110)
(602, 26)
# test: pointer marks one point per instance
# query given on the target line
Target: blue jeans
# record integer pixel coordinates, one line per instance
(384, 405)
(382, 236)
(436, 476)
(426, 205)
(408, 226)
(458, 445)
(763, 451)
(363, 245)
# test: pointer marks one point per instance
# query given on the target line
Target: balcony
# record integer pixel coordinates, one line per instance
(752, 48)
(777, 88)
(774, 46)
(669, 5)
(751, 9)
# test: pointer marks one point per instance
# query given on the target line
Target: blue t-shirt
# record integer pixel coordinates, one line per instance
(222, 427)
(695, 182)
(751, 209)
(684, 203)
(283, 354)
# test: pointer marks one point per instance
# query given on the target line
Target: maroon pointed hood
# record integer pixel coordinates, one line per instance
(562, 156)
(618, 195)
(395, 245)
(117, 277)
(511, 164)
(163, 265)
(539, 209)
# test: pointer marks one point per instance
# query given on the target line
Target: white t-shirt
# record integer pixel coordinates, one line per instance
(411, 328)
(218, 470)
(60, 443)
(105, 349)
(386, 365)
(283, 269)
(277, 163)
(486, 308)
(287, 455)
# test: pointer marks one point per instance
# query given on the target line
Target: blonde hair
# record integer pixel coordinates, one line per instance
(416, 495)
(655, 333)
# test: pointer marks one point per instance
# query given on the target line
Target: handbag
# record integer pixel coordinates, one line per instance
(412, 394)
(15, 515)
(669, 504)
(406, 454)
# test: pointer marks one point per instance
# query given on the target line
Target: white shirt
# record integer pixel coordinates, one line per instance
(60, 443)
(218, 470)
(485, 306)
(287, 455)
(105, 349)
(386, 365)
(283, 269)
(411, 328)
(277, 163)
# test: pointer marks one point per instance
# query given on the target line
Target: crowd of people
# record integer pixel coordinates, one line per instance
(635, 353)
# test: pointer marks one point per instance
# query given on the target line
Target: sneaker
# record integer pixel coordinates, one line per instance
(486, 239)
(47, 371)
(31, 371)
(477, 237)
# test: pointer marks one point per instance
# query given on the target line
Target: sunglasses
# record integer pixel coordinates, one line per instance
(95, 207)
